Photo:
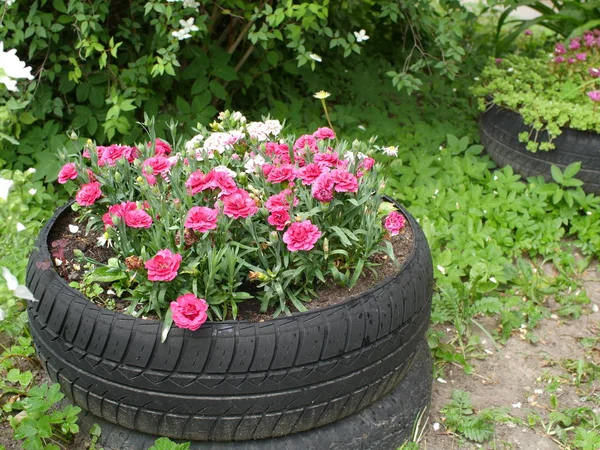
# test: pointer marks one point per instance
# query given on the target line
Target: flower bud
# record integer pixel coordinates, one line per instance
(139, 179)
(118, 177)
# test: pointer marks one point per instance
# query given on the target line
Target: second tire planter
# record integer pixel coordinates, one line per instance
(232, 380)
(499, 129)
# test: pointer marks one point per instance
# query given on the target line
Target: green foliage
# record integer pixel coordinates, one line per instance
(567, 18)
(164, 443)
(99, 67)
(548, 95)
(462, 419)
(40, 422)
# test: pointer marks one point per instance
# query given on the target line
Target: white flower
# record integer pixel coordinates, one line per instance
(362, 127)
(273, 127)
(194, 143)
(32, 191)
(441, 269)
(436, 426)
(322, 95)
(510, 70)
(12, 68)
(73, 228)
(361, 155)
(20, 227)
(253, 163)
(187, 26)
(361, 36)
(238, 117)
(226, 170)
(5, 186)
(315, 57)
(30, 171)
(190, 4)
(349, 156)
(110, 292)
(493, 280)
(2, 314)
(18, 290)
(390, 151)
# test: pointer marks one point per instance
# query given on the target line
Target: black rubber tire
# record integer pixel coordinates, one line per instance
(499, 130)
(384, 425)
(231, 380)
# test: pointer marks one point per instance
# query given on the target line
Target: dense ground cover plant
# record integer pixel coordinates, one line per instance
(235, 213)
(548, 91)
(99, 66)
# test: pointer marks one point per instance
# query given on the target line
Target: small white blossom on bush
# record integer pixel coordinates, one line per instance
(315, 57)
(20, 227)
(187, 27)
(361, 36)
(12, 68)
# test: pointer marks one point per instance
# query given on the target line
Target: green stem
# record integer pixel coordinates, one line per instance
(587, 83)
(328, 119)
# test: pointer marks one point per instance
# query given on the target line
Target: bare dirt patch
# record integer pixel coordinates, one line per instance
(521, 377)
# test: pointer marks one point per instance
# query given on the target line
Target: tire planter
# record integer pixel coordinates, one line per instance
(231, 380)
(499, 129)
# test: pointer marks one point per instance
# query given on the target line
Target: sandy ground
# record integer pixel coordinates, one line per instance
(517, 378)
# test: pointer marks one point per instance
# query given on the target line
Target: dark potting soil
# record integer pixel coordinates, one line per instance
(63, 243)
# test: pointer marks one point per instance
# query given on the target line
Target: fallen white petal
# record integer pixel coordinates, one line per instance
(23, 293)
(5, 186)
(595, 308)
(73, 228)
(441, 269)
(516, 405)
(58, 261)
(2, 314)
(32, 191)
(20, 227)
(441, 380)
(436, 426)
(11, 280)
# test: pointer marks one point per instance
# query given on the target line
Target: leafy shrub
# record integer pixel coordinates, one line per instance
(549, 92)
(98, 65)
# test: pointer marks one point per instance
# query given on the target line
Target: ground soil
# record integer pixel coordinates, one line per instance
(63, 243)
(516, 377)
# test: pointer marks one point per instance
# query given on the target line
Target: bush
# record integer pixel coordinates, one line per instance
(98, 65)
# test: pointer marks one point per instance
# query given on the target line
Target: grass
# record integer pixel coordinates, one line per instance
(490, 235)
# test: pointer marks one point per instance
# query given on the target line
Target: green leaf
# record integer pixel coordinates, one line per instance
(572, 169)
(106, 275)
(166, 327)
(218, 90)
(557, 174)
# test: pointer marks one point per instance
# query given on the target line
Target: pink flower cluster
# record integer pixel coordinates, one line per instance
(130, 213)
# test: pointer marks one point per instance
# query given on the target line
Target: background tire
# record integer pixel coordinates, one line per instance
(231, 380)
(499, 129)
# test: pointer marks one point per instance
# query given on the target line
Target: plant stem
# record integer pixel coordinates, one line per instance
(328, 119)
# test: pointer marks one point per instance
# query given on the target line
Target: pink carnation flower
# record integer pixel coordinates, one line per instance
(324, 133)
(157, 165)
(201, 218)
(575, 44)
(560, 49)
(280, 201)
(327, 159)
(279, 174)
(162, 148)
(344, 181)
(164, 266)
(594, 72)
(301, 236)
(306, 140)
(239, 204)
(394, 222)
(309, 173)
(117, 211)
(322, 188)
(88, 194)
(189, 311)
(138, 218)
(279, 218)
(198, 182)
(68, 172)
